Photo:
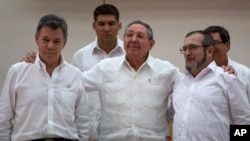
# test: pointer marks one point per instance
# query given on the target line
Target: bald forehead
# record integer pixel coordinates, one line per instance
(195, 37)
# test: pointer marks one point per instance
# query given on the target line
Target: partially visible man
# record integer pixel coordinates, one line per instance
(106, 45)
(47, 100)
(222, 46)
(133, 89)
(206, 100)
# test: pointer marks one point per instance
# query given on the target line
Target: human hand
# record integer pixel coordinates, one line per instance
(229, 69)
(168, 138)
(30, 57)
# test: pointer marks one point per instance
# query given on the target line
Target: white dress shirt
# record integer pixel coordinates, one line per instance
(243, 73)
(34, 105)
(133, 104)
(85, 58)
(91, 54)
(206, 105)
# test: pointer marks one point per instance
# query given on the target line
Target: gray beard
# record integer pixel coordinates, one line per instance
(197, 64)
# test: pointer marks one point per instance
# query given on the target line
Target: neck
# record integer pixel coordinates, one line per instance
(136, 62)
(198, 70)
(51, 66)
(107, 47)
(221, 61)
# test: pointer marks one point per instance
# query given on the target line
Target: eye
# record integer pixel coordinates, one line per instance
(57, 42)
(45, 40)
(129, 35)
(111, 23)
(101, 24)
(193, 47)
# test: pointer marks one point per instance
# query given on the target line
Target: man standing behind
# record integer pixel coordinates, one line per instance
(222, 46)
(206, 100)
(45, 100)
(106, 45)
(133, 89)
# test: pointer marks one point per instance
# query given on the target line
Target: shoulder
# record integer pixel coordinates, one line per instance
(21, 68)
(71, 68)
(224, 76)
(89, 47)
(240, 68)
(163, 64)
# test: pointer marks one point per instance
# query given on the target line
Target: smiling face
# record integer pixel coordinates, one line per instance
(196, 55)
(137, 43)
(50, 43)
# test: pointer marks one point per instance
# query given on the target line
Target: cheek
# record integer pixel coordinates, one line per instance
(216, 50)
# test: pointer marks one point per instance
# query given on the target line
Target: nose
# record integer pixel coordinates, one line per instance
(50, 45)
(134, 38)
(106, 27)
(187, 51)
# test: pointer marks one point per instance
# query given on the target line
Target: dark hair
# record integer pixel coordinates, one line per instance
(106, 9)
(224, 34)
(207, 38)
(137, 21)
(54, 22)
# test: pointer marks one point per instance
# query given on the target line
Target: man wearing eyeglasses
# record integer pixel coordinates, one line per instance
(206, 100)
(222, 46)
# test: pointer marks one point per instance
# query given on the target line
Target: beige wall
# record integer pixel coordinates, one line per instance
(170, 20)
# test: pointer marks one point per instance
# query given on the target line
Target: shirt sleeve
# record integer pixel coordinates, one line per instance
(92, 79)
(170, 111)
(238, 101)
(74, 61)
(82, 115)
(7, 105)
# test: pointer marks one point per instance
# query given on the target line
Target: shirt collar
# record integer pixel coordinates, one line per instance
(41, 64)
(149, 62)
(210, 68)
(118, 46)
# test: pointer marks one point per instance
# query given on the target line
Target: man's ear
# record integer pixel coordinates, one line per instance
(93, 25)
(228, 45)
(152, 43)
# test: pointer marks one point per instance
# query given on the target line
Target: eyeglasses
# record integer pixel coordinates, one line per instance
(191, 48)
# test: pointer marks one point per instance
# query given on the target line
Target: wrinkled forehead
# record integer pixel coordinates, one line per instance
(138, 28)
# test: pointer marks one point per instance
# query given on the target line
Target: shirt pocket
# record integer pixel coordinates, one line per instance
(69, 98)
(115, 93)
(154, 96)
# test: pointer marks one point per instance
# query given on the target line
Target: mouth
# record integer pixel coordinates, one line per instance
(107, 36)
(189, 61)
(50, 53)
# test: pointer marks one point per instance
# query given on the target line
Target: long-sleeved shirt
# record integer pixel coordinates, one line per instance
(207, 104)
(133, 103)
(34, 105)
(243, 73)
(85, 58)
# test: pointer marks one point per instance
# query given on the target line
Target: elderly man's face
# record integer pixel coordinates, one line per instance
(136, 42)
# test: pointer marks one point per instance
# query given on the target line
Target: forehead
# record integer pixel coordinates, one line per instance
(216, 36)
(195, 38)
(49, 32)
(106, 18)
(137, 28)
